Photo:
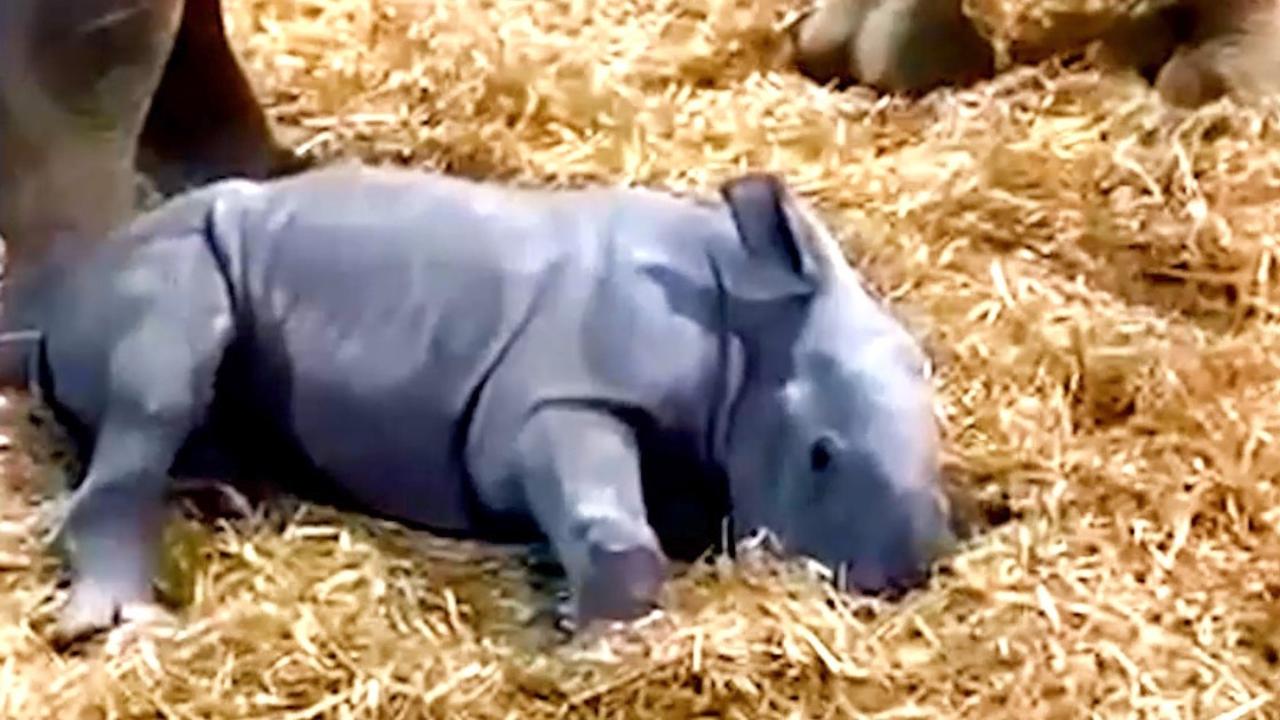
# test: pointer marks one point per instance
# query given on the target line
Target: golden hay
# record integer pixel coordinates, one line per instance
(1094, 273)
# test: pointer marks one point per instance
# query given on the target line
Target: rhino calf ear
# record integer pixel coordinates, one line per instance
(782, 259)
(755, 202)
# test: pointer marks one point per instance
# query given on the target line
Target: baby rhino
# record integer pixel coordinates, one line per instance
(611, 370)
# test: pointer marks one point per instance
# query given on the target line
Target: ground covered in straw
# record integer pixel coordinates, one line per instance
(1094, 275)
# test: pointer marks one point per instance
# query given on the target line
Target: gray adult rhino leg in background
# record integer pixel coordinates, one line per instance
(76, 78)
(169, 322)
(579, 468)
(205, 121)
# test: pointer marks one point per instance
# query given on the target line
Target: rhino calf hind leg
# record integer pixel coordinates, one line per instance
(580, 472)
(160, 382)
(113, 524)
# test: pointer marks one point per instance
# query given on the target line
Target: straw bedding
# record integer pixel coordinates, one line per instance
(1093, 273)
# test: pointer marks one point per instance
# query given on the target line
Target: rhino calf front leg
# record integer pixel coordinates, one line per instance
(580, 472)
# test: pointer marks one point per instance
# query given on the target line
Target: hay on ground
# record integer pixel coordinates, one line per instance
(1094, 273)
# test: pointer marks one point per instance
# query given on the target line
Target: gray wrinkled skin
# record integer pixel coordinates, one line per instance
(609, 369)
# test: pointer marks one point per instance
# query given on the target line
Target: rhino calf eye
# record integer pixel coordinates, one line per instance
(820, 454)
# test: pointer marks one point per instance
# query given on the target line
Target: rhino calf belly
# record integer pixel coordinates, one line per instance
(389, 448)
(374, 368)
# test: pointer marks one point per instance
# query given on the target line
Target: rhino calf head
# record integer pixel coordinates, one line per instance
(833, 446)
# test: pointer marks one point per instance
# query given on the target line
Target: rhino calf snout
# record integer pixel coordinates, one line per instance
(928, 540)
(895, 550)
(903, 567)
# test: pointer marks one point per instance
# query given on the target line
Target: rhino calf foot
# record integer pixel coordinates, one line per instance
(620, 583)
(94, 607)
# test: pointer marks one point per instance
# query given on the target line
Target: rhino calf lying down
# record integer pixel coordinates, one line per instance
(611, 370)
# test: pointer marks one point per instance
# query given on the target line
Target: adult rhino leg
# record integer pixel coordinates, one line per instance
(76, 77)
(580, 472)
(824, 37)
(205, 122)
